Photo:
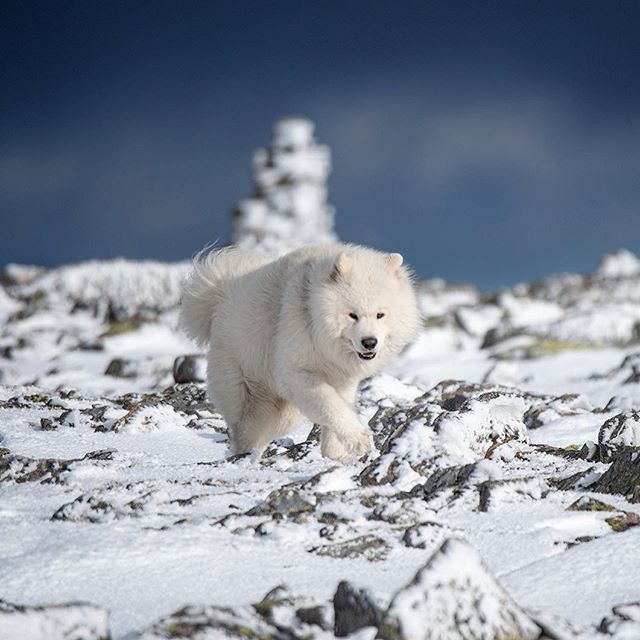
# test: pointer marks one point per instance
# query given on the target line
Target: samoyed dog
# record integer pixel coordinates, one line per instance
(292, 337)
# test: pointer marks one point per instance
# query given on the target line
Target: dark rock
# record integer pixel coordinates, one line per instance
(624, 521)
(367, 547)
(623, 621)
(95, 414)
(449, 478)
(569, 453)
(589, 451)
(286, 500)
(98, 506)
(353, 609)
(122, 368)
(585, 503)
(190, 368)
(44, 470)
(425, 535)
(490, 490)
(384, 422)
(622, 477)
(66, 419)
(318, 615)
(294, 451)
(619, 432)
(575, 480)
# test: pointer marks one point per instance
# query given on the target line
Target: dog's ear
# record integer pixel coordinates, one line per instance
(341, 268)
(394, 261)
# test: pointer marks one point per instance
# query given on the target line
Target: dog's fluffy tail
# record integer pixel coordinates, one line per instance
(204, 287)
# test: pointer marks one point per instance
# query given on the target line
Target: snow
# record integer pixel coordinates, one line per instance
(619, 264)
(116, 491)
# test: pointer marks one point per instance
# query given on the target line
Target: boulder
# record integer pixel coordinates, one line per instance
(454, 597)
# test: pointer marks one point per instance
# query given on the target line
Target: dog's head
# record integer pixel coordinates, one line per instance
(368, 304)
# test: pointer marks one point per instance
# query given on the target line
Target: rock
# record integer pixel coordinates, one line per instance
(318, 615)
(122, 368)
(623, 430)
(367, 547)
(620, 522)
(454, 597)
(492, 493)
(72, 621)
(148, 418)
(278, 616)
(20, 469)
(453, 424)
(191, 368)
(287, 500)
(550, 409)
(426, 535)
(622, 477)
(578, 480)
(623, 621)
(480, 424)
(448, 478)
(104, 505)
(212, 622)
(585, 503)
(624, 521)
(353, 609)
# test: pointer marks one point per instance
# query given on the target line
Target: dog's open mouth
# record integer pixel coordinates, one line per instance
(367, 355)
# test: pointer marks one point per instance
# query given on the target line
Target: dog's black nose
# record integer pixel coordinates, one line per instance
(369, 343)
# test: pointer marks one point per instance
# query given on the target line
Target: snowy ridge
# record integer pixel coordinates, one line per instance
(122, 283)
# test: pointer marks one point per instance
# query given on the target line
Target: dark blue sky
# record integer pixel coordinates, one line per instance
(489, 142)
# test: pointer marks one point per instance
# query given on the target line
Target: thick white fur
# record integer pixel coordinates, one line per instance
(282, 342)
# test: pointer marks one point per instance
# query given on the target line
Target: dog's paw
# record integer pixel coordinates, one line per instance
(358, 443)
(350, 445)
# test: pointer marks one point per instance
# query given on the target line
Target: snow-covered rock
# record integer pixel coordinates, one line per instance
(73, 621)
(454, 597)
(623, 430)
(619, 264)
(289, 208)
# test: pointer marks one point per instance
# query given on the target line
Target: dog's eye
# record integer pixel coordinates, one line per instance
(353, 316)
(380, 315)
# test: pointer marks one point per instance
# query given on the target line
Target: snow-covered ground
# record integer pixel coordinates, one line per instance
(501, 502)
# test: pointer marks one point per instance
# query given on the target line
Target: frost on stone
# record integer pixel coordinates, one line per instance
(145, 419)
(623, 430)
(278, 616)
(117, 288)
(623, 622)
(454, 597)
(73, 621)
(289, 207)
(453, 425)
(622, 477)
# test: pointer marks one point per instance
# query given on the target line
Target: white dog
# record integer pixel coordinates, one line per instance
(296, 335)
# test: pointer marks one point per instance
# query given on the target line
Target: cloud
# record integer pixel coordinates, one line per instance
(538, 142)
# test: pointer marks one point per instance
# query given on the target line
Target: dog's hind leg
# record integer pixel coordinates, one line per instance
(228, 390)
(266, 417)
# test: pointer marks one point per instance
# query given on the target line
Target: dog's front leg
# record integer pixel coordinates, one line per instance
(343, 437)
